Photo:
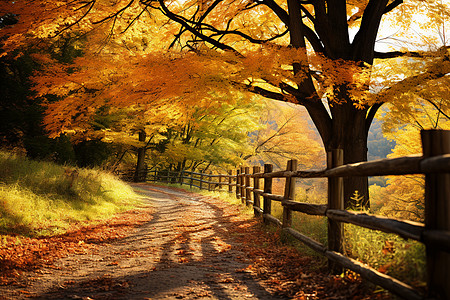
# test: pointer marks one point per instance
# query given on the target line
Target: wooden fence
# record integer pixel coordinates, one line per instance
(194, 179)
(434, 233)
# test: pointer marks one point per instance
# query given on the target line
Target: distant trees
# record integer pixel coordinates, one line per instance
(425, 107)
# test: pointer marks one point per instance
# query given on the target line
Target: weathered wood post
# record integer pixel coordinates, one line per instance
(209, 181)
(289, 193)
(248, 192)
(238, 184)
(230, 181)
(201, 180)
(174, 179)
(256, 197)
(243, 184)
(267, 205)
(335, 158)
(140, 165)
(437, 214)
(220, 182)
(181, 177)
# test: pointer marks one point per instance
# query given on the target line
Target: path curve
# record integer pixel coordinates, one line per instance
(185, 252)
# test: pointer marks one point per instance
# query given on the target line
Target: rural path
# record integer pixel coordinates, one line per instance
(184, 252)
(180, 245)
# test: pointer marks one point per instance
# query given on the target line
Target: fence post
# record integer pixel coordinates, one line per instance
(201, 180)
(437, 214)
(289, 193)
(181, 177)
(268, 168)
(335, 158)
(238, 184)
(220, 182)
(209, 181)
(190, 180)
(248, 193)
(230, 181)
(256, 197)
(243, 185)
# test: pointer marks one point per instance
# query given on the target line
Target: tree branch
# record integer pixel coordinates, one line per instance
(195, 32)
(261, 91)
(371, 115)
(313, 39)
(116, 14)
(79, 19)
(393, 5)
(439, 69)
(394, 54)
(437, 107)
(278, 10)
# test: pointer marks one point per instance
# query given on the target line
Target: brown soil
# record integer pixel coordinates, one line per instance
(194, 247)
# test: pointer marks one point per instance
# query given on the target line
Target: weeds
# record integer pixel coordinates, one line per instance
(388, 253)
(42, 198)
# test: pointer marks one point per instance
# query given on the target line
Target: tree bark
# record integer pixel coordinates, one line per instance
(347, 130)
(349, 133)
(139, 174)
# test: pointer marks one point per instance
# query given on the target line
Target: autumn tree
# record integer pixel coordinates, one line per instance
(318, 54)
(329, 70)
(287, 134)
(212, 135)
(409, 112)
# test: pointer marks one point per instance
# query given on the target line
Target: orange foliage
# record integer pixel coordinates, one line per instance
(20, 254)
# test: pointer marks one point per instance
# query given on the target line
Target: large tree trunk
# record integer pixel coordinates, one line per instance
(140, 172)
(349, 133)
(356, 189)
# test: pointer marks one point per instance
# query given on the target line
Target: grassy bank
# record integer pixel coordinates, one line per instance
(42, 198)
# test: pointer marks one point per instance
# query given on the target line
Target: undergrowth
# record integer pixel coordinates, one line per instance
(43, 198)
(387, 253)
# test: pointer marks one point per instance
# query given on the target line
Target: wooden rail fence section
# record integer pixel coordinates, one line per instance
(434, 233)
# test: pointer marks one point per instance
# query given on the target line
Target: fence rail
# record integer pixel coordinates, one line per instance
(434, 233)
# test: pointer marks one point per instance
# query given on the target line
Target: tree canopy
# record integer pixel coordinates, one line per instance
(318, 54)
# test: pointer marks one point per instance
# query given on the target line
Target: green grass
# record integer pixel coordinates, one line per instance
(389, 253)
(43, 198)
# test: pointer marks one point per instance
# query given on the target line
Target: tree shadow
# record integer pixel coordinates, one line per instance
(194, 261)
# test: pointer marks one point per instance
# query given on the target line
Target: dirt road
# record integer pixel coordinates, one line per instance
(186, 246)
(185, 252)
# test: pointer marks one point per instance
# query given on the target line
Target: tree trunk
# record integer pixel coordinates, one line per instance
(140, 172)
(356, 189)
(349, 133)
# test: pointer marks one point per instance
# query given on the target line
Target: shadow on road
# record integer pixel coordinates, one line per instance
(187, 251)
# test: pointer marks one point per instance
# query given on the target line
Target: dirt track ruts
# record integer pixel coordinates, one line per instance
(185, 252)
